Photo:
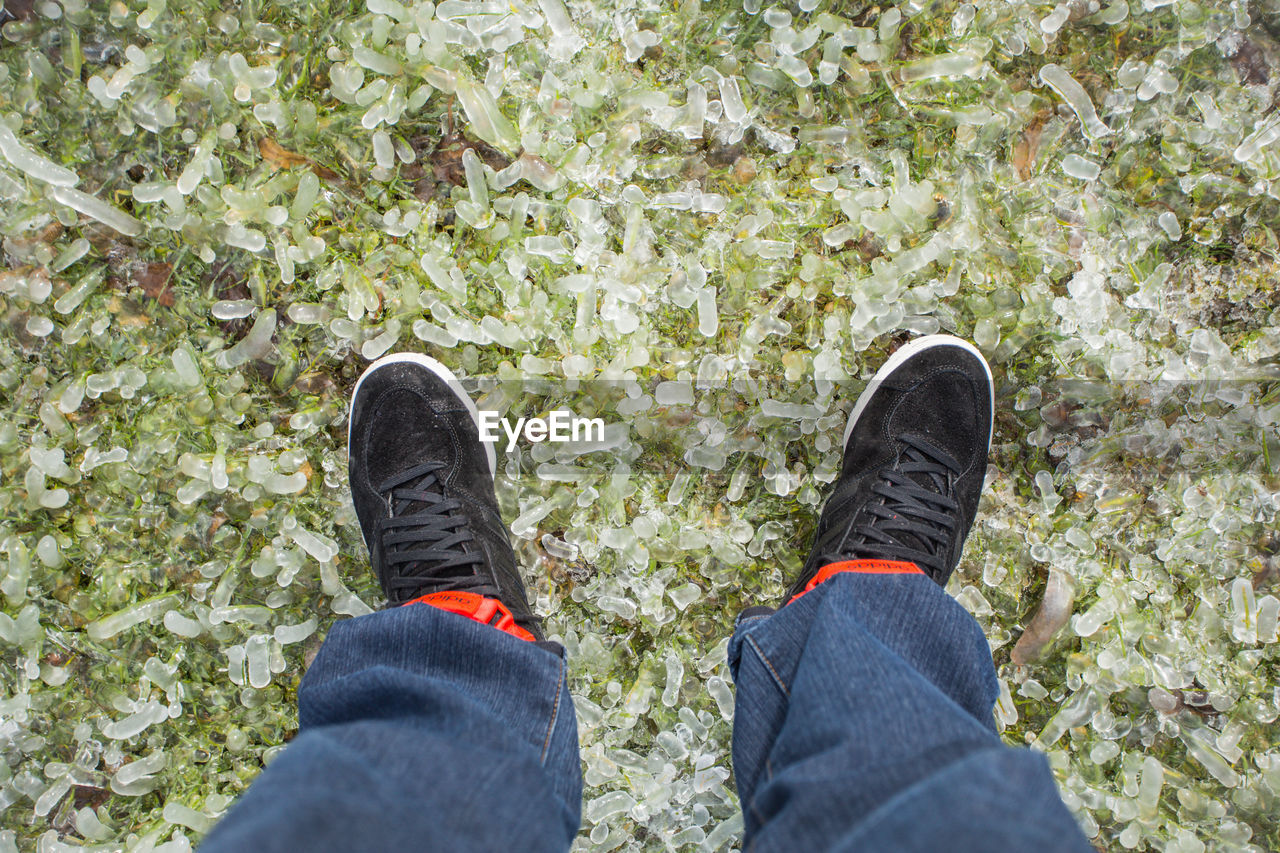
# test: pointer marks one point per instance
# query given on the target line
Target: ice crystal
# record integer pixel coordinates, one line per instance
(706, 224)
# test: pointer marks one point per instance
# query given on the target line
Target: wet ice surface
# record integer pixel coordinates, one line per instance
(706, 224)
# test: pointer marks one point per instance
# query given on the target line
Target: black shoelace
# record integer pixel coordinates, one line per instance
(425, 535)
(915, 518)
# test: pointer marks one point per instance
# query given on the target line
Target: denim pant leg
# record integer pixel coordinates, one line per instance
(864, 722)
(420, 730)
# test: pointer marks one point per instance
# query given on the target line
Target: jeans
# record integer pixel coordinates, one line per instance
(863, 722)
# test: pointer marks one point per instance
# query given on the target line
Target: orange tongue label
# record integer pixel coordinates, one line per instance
(468, 601)
(477, 608)
(865, 567)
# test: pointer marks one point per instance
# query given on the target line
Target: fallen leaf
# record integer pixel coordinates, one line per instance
(1028, 147)
(317, 383)
(282, 158)
(744, 170)
(90, 796)
(126, 320)
(425, 189)
(323, 173)
(869, 247)
(1024, 153)
(120, 256)
(50, 232)
(719, 156)
(219, 518)
(694, 168)
(17, 10)
(907, 37)
(228, 283)
(446, 158)
(154, 280)
(278, 156)
(22, 246)
(1250, 63)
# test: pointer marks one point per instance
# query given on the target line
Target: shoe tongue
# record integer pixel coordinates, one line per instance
(429, 483)
(425, 569)
(934, 482)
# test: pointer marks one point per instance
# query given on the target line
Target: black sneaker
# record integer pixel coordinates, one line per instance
(422, 484)
(915, 456)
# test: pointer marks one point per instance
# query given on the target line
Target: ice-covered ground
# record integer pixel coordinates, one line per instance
(706, 223)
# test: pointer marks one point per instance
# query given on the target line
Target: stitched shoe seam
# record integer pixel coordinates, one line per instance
(370, 420)
(904, 395)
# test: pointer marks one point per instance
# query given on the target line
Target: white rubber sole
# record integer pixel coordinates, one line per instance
(898, 358)
(444, 373)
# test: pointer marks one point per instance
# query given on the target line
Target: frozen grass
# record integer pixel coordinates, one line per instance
(215, 215)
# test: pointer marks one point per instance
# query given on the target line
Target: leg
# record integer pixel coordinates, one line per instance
(444, 723)
(420, 729)
(864, 723)
(864, 703)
